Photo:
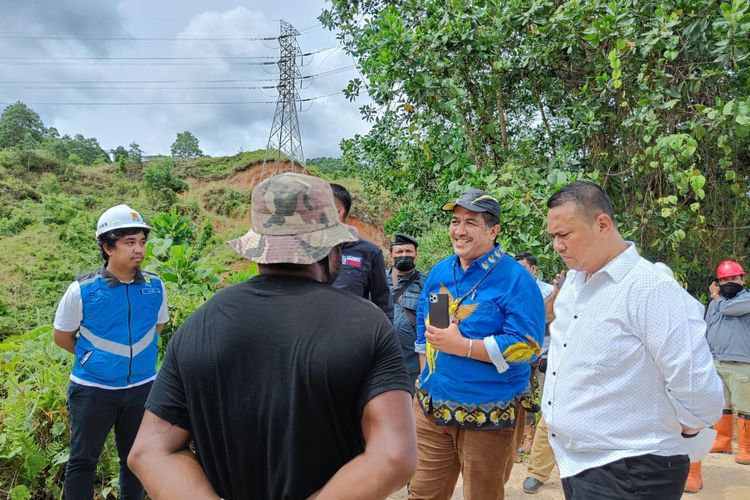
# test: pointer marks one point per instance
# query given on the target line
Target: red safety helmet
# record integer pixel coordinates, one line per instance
(729, 268)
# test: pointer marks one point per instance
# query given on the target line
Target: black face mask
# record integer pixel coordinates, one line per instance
(405, 263)
(729, 290)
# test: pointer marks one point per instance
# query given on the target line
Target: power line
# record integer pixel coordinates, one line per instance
(174, 103)
(147, 58)
(153, 58)
(163, 38)
(89, 87)
(213, 62)
(145, 61)
(64, 84)
(131, 38)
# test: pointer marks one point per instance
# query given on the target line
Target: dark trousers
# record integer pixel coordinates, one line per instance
(644, 477)
(93, 412)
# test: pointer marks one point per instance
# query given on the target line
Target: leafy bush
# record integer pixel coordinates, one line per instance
(159, 175)
(434, 246)
(328, 167)
(172, 226)
(19, 218)
(49, 183)
(32, 160)
(60, 208)
(413, 217)
(226, 201)
(34, 435)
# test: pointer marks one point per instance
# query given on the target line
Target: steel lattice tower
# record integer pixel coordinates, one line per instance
(284, 138)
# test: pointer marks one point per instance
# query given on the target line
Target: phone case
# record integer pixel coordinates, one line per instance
(439, 310)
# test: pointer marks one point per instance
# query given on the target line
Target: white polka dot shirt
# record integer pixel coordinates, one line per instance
(628, 363)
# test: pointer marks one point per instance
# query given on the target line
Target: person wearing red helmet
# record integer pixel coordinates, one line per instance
(728, 335)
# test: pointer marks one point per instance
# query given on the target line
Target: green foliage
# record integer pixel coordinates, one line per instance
(332, 168)
(650, 99)
(413, 217)
(172, 226)
(160, 174)
(32, 161)
(119, 154)
(20, 127)
(226, 201)
(34, 433)
(217, 168)
(434, 246)
(135, 153)
(189, 279)
(186, 146)
(77, 149)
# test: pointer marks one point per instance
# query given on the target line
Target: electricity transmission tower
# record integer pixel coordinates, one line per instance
(284, 139)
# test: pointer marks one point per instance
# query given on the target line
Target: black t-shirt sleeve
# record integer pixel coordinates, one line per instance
(387, 371)
(167, 399)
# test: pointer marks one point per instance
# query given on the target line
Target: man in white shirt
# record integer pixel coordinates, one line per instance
(629, 374)
(528, 261)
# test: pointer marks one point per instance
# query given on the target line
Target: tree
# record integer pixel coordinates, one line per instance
(186, 146)
(118, 154)
(651, 99)
(20, 126)
(135, 153)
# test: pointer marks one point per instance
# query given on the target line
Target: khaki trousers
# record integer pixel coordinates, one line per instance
(735, 377)
(484, 458)
(542, 460)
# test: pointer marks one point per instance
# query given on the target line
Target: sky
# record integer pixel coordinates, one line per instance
(88, 52)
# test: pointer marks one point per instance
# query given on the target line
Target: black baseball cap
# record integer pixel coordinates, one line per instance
(475, 200)
(403, 239)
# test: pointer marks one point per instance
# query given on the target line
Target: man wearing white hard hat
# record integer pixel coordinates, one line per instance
(110, 319)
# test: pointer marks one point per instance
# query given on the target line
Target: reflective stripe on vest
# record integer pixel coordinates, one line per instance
(114, 347)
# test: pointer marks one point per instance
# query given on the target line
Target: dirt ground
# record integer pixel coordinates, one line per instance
(723, 479)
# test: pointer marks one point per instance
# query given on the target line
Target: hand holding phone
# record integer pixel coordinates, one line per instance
(439, 310)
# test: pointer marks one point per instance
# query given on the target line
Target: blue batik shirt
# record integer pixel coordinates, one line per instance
(502, 307)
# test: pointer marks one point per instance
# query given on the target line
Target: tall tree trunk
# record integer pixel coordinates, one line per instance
(547, 129)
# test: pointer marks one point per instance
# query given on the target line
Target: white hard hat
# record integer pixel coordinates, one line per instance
(119, 217)
(661, 266)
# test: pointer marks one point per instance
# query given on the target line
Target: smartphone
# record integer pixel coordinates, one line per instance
(439, 310)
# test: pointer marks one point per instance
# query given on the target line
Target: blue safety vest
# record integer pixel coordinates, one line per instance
(117, 342)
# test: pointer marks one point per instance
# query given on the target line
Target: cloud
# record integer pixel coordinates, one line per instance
(193, 62)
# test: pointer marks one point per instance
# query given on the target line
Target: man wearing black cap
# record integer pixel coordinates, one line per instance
(475, 379)
(406, 285)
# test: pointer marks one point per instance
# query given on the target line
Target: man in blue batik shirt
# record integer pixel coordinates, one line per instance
(475, 376)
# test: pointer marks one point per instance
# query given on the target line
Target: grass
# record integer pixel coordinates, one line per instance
(208, 168)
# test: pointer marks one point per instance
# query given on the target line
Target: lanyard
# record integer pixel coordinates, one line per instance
(458, 302)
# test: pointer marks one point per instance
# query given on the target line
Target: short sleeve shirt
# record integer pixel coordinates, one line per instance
(271, 377)
(70, 309)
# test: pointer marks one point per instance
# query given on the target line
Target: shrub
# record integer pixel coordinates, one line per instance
(159, 175)
(49, 183)
(34, 435)
(226, 201)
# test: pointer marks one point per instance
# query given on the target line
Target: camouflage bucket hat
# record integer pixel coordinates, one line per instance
(294, 221)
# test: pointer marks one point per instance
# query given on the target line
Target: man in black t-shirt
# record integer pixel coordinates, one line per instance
(287, 386)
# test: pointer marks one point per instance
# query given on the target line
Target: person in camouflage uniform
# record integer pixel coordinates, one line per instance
(286, 386)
